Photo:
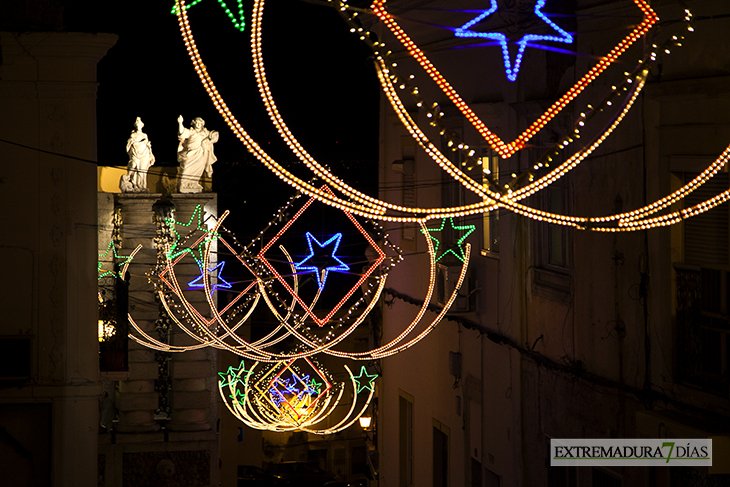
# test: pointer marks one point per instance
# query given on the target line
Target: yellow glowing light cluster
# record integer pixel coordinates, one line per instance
(106, 330)
(246, 394)
(508, 149)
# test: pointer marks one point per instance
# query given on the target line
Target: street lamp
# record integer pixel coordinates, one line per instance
(365, 422)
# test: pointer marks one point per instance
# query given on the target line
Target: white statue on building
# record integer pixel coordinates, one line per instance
(139, 149)
(195, 154)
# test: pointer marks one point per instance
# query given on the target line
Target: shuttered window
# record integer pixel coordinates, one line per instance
(706, 236)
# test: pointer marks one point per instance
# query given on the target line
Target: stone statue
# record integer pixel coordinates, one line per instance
(141, 158)
(195, 154)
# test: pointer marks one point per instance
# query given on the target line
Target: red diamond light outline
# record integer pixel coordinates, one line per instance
(321, 322)
(508, 149)
(202, 318)
(288, 367)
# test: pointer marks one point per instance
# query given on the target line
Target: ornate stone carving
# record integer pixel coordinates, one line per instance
(195, 154)
(139, 149)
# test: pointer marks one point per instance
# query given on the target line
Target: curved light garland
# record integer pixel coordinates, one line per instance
(376, 212)
(217, 331)
(592, 223)
(508, 149)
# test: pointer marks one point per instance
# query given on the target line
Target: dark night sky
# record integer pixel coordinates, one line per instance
(319, 74)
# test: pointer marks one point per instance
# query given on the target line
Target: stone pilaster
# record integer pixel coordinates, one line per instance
(138, 400)
(192, 395)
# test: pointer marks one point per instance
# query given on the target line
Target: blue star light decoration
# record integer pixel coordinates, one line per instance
(322, 272)
(512, 69)
(221, 283)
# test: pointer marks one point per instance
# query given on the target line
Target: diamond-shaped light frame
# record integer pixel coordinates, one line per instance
(321, 321)
(174, 286)
(503, 148)
(289, 405)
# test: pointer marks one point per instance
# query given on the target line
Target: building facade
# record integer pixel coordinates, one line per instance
(559, 332)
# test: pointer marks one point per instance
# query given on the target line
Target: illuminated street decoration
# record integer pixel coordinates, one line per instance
(378, 209)
(221, 283)
(312, 260)
(283, 390)
(321, 279)
(294, 395)
(192, 321)
(234, 375)
(283, 397)
(124, 264)
(220, 330)
(238, 22)
(458, 250)
(503, 148)
(512, 69)
(198, 248)
(365, 380)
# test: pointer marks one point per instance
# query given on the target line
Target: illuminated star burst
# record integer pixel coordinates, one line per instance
(234, 375)
(112, 247)
(365, 380)
(221, 283)
(239, 23)
(512, 69)
(457, 250)
(198, 249)
(322, 271)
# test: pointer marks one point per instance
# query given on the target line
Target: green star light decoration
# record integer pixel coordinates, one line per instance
(458, 250)
(112, 247)
(198, 249)
(365, 380)
(236, 374)
(239, 23)
(315, 386)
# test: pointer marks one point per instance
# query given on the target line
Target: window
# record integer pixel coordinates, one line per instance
(490, 221)
(552, 244)
(113, 323)
(452, 192)
(491, 479)
(703, 293)
(405, 440)
(15, 358)
(560, 476)
(602, 478)
(440, 455)
(553, 240)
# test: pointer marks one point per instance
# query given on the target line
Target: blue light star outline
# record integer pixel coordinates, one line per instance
(467, 229)
(111, 246)
(341, 267)
(511, 70)
(365, 380)
(174, 252)
(197, 283)
(239, 23)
